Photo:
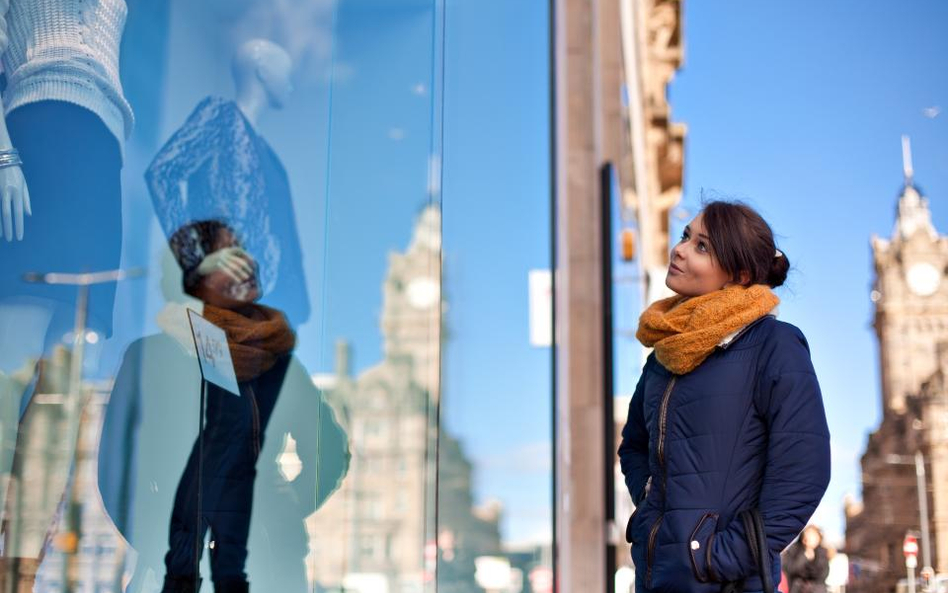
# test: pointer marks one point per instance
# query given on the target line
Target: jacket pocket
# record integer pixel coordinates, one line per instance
(628, 526)
(699, 544)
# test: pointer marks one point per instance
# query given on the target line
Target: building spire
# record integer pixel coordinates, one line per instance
(912, 213)
(907, 160)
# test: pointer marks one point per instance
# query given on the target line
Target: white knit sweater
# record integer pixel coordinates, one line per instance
(66, 50)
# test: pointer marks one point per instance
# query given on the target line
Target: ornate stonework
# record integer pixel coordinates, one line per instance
(911, 322)
(660, 149)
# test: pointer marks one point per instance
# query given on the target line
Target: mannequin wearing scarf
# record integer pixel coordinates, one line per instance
(223, 276)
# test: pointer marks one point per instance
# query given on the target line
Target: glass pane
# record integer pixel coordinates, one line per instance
(496, 449)
(220, 333)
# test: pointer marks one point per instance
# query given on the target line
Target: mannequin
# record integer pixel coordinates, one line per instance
(148, 450)
(217, 166)
(62, 133)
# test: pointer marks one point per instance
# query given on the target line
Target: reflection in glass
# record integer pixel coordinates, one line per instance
(383, 505)
(164, 491)
(66, 119)
(109, 462)
(217, 166)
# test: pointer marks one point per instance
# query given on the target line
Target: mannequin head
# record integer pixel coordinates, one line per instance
(262, 71)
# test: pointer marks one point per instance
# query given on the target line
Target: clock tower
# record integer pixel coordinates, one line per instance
(413, 306)
(910, 293)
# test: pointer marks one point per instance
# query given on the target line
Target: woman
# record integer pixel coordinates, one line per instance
(727, 416)
(806, 562)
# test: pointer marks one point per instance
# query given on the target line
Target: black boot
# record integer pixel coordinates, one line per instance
(181, 584)
(232, 586)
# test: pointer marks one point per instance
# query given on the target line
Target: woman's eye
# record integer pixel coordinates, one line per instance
(702, 246)
(684, 236)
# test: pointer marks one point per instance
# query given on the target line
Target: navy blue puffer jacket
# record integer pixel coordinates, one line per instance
(745, 429)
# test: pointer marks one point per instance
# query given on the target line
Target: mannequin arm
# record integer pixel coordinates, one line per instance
(14, 196)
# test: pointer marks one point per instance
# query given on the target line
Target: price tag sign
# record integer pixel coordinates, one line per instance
(213, 353)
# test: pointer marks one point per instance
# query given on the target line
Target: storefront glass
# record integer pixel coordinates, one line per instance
(275, 299)
(274, 167)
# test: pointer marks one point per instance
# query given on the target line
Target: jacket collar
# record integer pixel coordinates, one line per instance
(729, 340)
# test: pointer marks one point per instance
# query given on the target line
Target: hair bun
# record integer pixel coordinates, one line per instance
(778, 270)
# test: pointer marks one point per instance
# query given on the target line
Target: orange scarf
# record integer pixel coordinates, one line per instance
(257, 335)
(686, 330)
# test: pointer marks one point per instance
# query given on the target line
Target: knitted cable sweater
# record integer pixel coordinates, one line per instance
(66, 50)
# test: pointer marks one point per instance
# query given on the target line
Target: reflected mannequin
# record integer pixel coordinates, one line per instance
(218, 166)
(64, 124)
(149, 456)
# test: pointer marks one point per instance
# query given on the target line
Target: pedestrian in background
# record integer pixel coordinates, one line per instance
(726, 449)
(806, 562)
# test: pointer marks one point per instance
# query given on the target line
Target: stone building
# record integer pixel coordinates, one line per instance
(613, 62)
(377, 533)
(911, 323)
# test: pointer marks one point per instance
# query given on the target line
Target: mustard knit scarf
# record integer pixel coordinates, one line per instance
(258, 336)
(685, 330)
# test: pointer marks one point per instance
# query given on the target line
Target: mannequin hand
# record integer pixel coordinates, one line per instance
(233, 261)
(14, 201)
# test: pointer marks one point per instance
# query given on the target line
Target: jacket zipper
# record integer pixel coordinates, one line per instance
(651, 550)
(662, 419)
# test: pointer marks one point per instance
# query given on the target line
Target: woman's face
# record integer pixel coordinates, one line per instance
(693, 270)
(811, 538)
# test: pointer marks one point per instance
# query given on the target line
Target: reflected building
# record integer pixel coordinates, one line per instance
(382, 518)
(84, 552)
(911, 324)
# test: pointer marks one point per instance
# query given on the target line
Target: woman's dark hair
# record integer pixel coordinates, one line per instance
(741, 240)
(192, 243)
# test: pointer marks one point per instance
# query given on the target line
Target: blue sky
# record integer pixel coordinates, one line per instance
(497, 390)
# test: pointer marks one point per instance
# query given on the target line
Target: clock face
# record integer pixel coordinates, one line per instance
(423, 292)
(923, 278)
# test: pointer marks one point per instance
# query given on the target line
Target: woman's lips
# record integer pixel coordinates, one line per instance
(674, 268)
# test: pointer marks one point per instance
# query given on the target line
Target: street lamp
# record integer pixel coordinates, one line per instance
(918, 460)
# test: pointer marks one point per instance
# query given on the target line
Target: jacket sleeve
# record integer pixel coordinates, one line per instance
(4, 15)
(197, 148)
(633, 450)
(797, 468)
(5, 142)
